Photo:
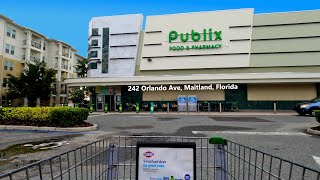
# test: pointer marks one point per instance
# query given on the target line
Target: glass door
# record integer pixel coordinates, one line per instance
(100, 102)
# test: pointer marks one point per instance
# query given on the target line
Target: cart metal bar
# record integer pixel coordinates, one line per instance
(97, 160)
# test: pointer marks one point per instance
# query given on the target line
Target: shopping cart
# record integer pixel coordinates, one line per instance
(115, 158)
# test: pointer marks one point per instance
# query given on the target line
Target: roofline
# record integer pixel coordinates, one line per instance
(26, 28)
(298, 11)
(202, 12)
(80, 56)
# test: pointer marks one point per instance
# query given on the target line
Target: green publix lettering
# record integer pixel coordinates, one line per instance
(195, 36)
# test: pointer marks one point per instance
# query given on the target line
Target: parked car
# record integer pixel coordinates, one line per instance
(308, 107)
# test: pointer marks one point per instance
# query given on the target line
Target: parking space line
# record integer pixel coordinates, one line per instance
(253, 133)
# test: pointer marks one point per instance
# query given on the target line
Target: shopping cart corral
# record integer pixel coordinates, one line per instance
(116, 158)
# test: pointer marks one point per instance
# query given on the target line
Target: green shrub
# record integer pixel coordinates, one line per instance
(317, 113)
(66, 116)
(52, 116)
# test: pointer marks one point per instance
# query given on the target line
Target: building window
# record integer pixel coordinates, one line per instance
(94, 54)
(6, 65)
(95, 32)
(44, 46)
(7, 48)
(92, 65)
(105, 51)
(12, 49)
(13, 34)
(8, 31)
(11, 66)
(94, 42)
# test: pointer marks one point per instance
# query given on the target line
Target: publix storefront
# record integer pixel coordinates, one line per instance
(232, 57)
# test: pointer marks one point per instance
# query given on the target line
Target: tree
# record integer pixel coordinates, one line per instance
(34, 82)
(81, 67)
(78, 95)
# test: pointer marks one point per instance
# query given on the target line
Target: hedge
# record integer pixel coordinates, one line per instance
(317, 113)
(44, 116)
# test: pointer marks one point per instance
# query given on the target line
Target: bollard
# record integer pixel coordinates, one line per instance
(105, 109)
(220, 107)
(91, 108)
(120, 108)
(167, 107)
(198, 107)
(209, 107)
(112, 154)
(274, 108)
(219, 157)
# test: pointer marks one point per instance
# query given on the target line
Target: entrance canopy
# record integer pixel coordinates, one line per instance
(272, 77)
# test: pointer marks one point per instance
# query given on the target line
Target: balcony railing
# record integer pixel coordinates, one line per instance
(64, 54)
(34, 59)
(36, 45)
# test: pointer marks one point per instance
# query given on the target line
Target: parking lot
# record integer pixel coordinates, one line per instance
(283, 136)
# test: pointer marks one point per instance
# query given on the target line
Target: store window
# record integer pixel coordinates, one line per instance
(8, 31)
(12, 50)
(94, 42)
(7, 48)
(95, 32)
(13, 34)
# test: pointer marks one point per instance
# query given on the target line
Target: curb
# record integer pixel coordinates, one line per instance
(49, 129)
(311, 131)
(198, 114)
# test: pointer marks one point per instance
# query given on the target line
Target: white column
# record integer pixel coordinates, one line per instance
(58, 82)
(28, 44)
(42, 51)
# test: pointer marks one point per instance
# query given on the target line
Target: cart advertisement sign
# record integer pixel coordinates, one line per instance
(182, 103)
(166, 161)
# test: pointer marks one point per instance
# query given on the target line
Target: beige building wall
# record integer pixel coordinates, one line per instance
(281, 92)
(216, 95)
(236, 27)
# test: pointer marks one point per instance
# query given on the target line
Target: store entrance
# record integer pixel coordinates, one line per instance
(110, 101)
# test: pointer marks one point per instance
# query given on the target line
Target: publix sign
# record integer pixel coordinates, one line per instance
(205, 35)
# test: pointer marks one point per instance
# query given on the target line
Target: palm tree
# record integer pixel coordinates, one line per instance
(82, 68)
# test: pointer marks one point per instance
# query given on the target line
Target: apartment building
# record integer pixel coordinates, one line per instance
(21, 45)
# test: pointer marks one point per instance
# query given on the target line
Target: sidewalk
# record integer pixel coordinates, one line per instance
(241, 113)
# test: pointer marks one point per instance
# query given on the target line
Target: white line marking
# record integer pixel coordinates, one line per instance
(140, 116)
(317, 159)
(97, 115)
(255, 133)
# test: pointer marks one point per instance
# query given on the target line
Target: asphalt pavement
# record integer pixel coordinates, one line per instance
(281, 136)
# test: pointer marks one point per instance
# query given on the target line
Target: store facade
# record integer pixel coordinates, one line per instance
(228, 57)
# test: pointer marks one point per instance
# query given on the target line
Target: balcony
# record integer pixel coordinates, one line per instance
(33, 44)
(64, 66)
(64, 54)
(36, 45)
(34, 59)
